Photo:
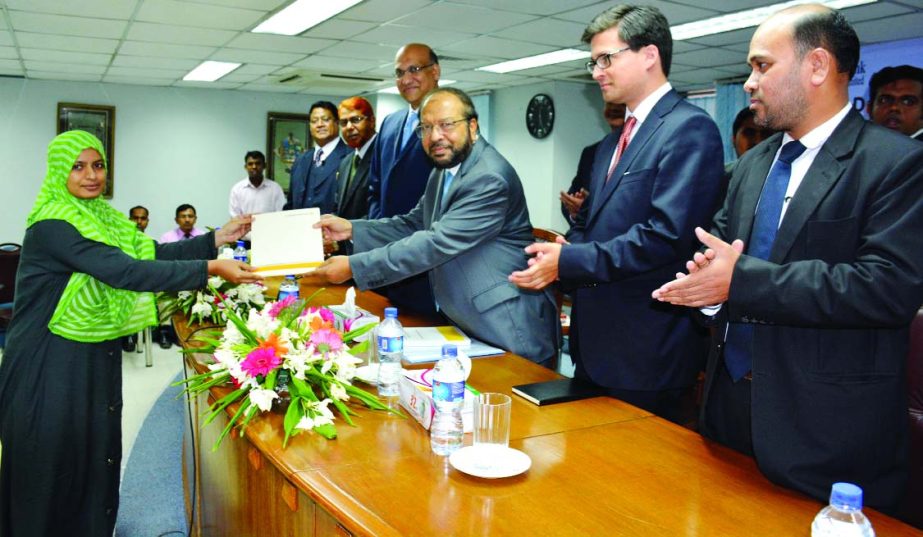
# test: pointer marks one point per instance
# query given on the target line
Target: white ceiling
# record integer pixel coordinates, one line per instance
(156, 42)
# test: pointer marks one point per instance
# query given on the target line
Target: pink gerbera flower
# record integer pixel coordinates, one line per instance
(280, 305)
(327, 340)
(261, 361)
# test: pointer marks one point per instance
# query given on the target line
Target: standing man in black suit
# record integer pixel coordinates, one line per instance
(651, 186)
(357, 126)
(400, 168)
(314, 173)
(815, 267)
(614, 114)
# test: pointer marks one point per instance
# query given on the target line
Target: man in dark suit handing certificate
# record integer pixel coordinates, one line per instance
(813, 272)
(651, 185)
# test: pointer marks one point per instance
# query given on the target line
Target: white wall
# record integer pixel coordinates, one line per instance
(179, 145)
(172, 145)
(547, 166)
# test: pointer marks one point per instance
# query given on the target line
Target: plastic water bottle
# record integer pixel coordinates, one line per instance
(446, 432)
(240, 252)
(843, 517)
(390, 353)
(289, 287)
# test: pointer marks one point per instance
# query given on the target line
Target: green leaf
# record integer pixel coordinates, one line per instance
(328, 431)
(222, 403)
(292, 416)
(360, 348)
(246, 404)
(353, 334)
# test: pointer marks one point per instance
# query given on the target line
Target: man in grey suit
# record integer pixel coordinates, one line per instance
(468, 231)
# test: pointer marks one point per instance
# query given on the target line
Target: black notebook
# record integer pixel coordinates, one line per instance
(557, 391)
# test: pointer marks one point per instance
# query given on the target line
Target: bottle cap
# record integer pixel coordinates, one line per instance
(846, 496)
(449, 350)
(240, 244)
(391, 313)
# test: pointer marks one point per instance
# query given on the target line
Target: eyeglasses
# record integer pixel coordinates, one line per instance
(355, 120)
(907, 101)
(413, 69)
(422, 131)
(604, 60)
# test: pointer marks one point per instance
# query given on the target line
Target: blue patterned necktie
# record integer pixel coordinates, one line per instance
(409, 125)
(737, 354)
(318, 156)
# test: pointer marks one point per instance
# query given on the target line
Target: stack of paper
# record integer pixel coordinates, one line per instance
(434, 337)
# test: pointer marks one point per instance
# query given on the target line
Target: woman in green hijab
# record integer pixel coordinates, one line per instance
(85, 279)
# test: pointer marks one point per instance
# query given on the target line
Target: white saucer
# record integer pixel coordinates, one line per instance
(490, 462)
(368, 374)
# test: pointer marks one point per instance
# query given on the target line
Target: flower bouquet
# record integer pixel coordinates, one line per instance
(284, 346)
(201, 305)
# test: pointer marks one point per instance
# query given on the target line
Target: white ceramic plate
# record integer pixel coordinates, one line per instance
(490, 463)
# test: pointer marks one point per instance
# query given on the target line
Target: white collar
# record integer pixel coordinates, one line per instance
(328, 148)
(361, 151)
(819, 134)
(647, 104)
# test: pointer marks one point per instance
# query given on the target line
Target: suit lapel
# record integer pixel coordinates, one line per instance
(750, 192)
(357, 177)
(637, 145)
(600, 169)
(824, 172)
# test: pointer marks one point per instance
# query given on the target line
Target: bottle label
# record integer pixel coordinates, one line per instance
(452, 392)
(390, 344)
(285, 293)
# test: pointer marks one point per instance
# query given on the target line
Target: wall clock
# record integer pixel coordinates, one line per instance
(540, 116)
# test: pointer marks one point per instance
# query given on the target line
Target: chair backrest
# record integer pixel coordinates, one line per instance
(911, 511)
(9, 264)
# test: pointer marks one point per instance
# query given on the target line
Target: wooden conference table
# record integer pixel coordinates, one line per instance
(600, 467)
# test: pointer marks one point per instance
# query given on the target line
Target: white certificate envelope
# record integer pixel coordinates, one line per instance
(286, 242)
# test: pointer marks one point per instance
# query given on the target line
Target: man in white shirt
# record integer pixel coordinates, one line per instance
(813, 271)
(255, 194)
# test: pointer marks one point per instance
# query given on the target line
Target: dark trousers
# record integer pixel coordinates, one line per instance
(675, 404)
(726, 411)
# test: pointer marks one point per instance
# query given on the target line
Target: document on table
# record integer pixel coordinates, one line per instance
(286, 242)
(421, 355)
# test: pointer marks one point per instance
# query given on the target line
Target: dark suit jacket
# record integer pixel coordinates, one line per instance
(397, 178)
(831, 309)
(467, 251)
(634, 233)
(354, 203)
(582, 178)
(316, 186)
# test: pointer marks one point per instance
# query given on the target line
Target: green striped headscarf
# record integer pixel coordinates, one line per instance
(89, 310)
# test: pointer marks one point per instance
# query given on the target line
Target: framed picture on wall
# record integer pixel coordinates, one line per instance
(288, 137)
(99, 121)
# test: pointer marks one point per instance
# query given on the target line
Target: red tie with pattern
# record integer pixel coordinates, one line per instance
(623, 144)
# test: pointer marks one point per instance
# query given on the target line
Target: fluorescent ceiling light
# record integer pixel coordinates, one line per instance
(210, 71)
(392, 90)
(301, 15)
(549, 58)
(748, 18)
